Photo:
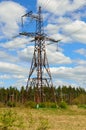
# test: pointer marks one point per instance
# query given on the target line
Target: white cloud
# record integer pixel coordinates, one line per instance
(4, 76)
(4, 57)
(75, 26)
(10, 17)
(15, 43)
(57, 57)
(76, 30)
(60, 82)
(69, 75)
(72, 31)
(7, 76)
(69, 28)
(58, 26)
(54, 56)
(81, 51)
(61, 7)
(26, 54)
(51, 28)
(10, 68)
(80, 62)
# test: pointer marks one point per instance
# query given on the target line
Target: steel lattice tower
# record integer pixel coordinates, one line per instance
(39, 75)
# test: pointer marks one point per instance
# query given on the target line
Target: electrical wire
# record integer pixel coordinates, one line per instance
(68, 22)
(48, 2)
(44, 4)
(70, 34)
(69, 11)
(62, 1)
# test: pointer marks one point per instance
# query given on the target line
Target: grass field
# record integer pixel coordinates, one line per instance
(73, 118)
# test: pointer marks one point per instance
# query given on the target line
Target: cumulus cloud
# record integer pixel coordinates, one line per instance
(75, 26)
(76, 30)
(14, 76)
(80, 62)
(81, 51)
(62, 23)
(65, 22)
(15, 43)
(58, 7)
(11, 68)
(26, 54)
(66, 74)
(5, 76)
(4, 57)
(10, 16)
(57, 56)
(72, 31)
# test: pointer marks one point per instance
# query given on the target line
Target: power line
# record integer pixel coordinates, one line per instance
(46, 3)
(70, 34)
(61, 3)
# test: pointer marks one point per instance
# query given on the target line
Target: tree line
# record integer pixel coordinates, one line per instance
(70, 95)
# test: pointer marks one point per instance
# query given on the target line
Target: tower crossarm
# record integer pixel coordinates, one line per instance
(51, 39)
(38, 37)
(29, 14)
(28, 34)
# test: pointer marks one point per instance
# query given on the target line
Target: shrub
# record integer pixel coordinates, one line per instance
(11, 104)
(82, 106)
(53, 105)
(81, 99)
(30, 104)
(42, 105)
(48, 105)
(63, 105)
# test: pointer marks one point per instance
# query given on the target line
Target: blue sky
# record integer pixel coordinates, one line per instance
(63, 19)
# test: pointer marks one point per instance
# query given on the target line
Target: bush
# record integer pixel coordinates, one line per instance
(11, 104)
(30, 104)
(42, 105)
(48, 105)
(63, 105)
(82, 106)
(53, 105)
(81, 99)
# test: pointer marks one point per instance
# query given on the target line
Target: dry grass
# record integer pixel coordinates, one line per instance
(54, 119)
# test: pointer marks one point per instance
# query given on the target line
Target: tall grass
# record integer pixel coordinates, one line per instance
(22, 118)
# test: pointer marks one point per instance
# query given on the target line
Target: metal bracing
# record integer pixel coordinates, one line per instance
(39, 75)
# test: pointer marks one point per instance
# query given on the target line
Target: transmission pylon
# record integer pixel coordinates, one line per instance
(39, 75)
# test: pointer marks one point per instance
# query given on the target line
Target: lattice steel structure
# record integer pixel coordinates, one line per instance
(39, 75)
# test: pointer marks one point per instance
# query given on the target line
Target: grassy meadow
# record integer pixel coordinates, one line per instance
(21, 118)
